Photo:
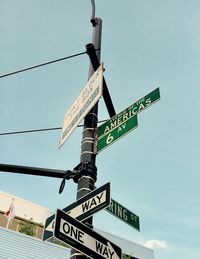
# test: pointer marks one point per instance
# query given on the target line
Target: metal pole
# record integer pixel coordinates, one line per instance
(37, 171)
(86, 182)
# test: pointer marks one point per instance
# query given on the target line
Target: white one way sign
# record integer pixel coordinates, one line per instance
(82, 208)
(79, 236)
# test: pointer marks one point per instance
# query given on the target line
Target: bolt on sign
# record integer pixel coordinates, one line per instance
(86, 100)
(124, 122)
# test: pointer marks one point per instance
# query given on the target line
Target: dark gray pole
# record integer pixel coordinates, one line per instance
(88, 176)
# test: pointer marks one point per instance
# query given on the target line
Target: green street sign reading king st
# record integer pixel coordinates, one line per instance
(124, 121)
(124, 214)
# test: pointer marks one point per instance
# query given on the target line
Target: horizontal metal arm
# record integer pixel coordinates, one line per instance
(32, 170)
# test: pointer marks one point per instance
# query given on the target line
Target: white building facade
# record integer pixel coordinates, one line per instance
(15, 245)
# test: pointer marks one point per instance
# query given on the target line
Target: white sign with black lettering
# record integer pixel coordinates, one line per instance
(88, 205)
(82, 208)
(84, 239)
(86, 100)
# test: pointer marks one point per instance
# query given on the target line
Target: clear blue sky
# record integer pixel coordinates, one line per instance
(154, 170)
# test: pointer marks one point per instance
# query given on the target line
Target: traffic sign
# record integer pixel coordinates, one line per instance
(124, 214)
(82, 208)
(117, 132)
(87, 98)
(106, 133)
(84, 239)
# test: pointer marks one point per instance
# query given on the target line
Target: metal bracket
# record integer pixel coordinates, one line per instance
(85, 169)
(90, 50)
(82, 169)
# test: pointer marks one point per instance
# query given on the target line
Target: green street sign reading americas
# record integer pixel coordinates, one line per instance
(123, 122)
(121, 128)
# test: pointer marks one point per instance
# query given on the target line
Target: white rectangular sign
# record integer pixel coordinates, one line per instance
(83, 208)
(86, 100)
(84, 239)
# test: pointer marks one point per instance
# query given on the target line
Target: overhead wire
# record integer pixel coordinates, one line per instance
(42, 64)
(33, 67)
(37, 130)
(28, 131)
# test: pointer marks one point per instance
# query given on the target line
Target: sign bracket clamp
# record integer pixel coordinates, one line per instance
(90, 50)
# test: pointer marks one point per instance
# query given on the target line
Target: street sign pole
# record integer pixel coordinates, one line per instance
(87, 167)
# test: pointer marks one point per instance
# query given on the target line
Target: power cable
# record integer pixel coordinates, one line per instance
(37, 130)
(42, 64)
(28, 131)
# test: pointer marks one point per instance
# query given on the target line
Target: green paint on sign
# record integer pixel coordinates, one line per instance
(125, 256)
(124, 122)
(117, 132)
(124, 214)
(128, 113)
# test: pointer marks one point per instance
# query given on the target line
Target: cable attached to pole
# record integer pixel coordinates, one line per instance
(43, 64)
(37, 130)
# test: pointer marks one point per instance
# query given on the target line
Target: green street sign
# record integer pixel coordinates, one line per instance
(125, 256)
(117, 132)
(124, 214)
(124, 121)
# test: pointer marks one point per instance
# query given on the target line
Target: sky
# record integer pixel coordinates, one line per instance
(153, 170)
